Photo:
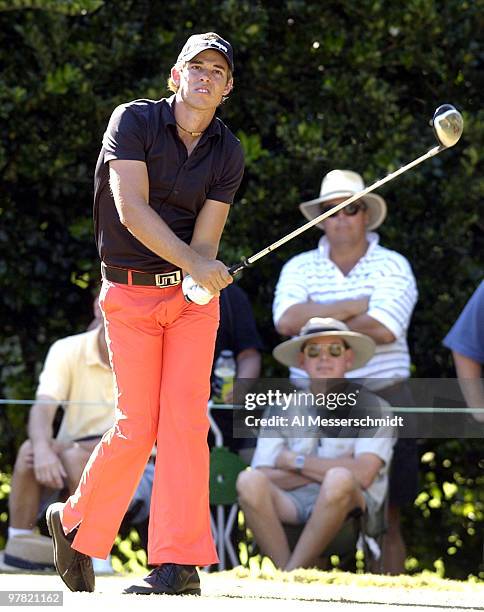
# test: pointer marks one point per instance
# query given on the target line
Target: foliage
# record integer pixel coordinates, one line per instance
(318, 85)
(449, 509)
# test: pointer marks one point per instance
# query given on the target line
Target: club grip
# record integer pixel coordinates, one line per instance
(238, 267)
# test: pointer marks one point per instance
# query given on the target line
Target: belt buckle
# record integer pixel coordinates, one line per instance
(168, 279)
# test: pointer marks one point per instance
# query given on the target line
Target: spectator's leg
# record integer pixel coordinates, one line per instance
(24, 499)
(266, 507)
(339, 494)
(74, 460)
(394, 549)
(403, 488)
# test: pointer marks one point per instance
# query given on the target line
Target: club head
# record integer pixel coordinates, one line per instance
(448, 125)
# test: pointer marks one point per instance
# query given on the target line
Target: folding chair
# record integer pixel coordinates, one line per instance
(225, 466)
(356, 533)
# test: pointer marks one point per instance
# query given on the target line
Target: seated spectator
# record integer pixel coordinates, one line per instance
(238, 333)
(315, 481)
(77, 376)
(466, 341)
(352, 277)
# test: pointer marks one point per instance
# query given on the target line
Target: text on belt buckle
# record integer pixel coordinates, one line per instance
(168, 279)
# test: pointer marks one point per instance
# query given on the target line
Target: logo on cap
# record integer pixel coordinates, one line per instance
(210, 40)
(215, 43)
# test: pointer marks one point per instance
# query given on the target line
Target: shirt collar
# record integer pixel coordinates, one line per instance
(168, 113)
(372, 237)
(93, 356)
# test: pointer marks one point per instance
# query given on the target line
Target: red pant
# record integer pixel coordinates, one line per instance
(161, 351)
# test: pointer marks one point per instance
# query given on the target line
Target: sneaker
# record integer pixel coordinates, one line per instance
(169, 579)
(74, 567)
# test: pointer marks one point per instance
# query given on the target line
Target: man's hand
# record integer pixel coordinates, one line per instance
(48, 468)
(285, 460)
(211, 274)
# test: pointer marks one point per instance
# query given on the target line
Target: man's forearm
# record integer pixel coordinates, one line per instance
(248, 363)
(147, 227)
(469, 373)
(317, 467)
(285, 479)
(40, 430)
(364, 324)
(364, 467)
(209, 251)
(298, 315)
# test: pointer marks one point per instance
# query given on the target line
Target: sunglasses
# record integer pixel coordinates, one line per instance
(350, 211)
(333, 350)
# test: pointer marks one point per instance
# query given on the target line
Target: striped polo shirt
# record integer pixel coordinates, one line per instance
(382, 275)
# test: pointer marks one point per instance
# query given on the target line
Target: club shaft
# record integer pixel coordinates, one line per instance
(342, 205)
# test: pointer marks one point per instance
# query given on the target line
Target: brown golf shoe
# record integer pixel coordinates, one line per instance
(75, 568)
(168, 579)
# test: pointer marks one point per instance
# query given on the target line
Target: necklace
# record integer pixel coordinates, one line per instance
(194, 134)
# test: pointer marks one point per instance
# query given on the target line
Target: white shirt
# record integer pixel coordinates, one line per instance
(382, 275)
(268, 448)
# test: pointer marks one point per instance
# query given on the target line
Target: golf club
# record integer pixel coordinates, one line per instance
(448, 126)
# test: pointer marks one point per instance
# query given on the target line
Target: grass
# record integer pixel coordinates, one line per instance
(424, 580)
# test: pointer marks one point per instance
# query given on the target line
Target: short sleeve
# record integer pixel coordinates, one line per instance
(381, 447)
(125, 135)
(291, 288)
(394, 296)
(225, 187)
(55, 378)
(467, 334)
(266, 452)
(384, 438)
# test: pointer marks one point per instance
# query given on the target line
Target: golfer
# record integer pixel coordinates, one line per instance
(165, 178)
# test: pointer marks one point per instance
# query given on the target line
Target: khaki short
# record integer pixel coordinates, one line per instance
(305, 498)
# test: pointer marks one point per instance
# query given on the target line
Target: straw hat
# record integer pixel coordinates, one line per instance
(29, 552)
(343, 184)
(363, 346)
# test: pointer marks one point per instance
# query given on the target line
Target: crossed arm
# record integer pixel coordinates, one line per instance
(364, 467)
(352, 312)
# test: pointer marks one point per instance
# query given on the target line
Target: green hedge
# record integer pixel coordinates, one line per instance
(348, 84)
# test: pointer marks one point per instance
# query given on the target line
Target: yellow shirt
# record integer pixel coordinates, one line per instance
(74, 372)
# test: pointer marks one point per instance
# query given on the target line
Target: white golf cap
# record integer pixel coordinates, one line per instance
(343, 184)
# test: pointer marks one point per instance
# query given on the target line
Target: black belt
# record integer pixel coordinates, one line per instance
(131, 277)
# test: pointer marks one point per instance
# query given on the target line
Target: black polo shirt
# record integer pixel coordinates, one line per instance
(237, 330)
(145, 130)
